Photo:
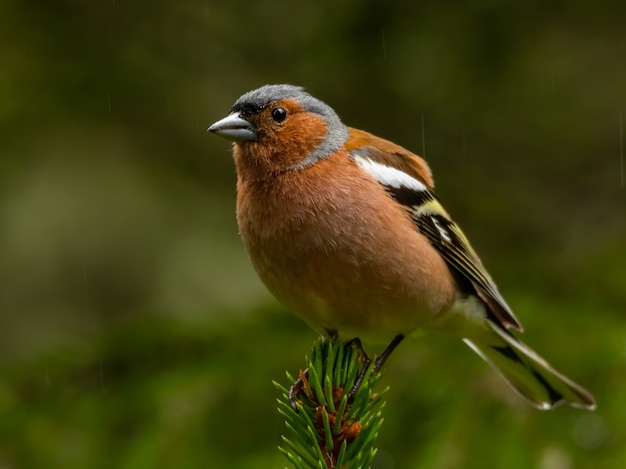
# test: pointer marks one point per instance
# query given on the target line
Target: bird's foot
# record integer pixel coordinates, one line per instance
(378, 363)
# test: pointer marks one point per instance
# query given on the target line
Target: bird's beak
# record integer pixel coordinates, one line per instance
(234, 128)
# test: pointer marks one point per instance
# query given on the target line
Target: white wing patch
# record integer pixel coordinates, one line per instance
(442, 231)
(389, 176)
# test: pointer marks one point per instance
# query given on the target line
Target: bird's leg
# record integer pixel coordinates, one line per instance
(380, 361)
(378, 364)
(366, 364)
(296, 388)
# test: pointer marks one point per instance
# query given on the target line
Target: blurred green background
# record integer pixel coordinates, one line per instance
(133, 330)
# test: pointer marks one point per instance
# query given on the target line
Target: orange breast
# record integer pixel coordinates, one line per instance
(337, 251)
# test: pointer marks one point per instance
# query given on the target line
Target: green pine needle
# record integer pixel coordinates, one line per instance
(328, 430)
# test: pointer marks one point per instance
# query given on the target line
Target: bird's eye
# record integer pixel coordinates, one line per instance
(279, 114)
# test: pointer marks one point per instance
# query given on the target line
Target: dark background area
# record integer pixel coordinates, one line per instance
(133, 330)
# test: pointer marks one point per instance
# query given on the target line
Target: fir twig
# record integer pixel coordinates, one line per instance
(328, 430)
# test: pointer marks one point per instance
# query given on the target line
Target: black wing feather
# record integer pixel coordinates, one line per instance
(448, 239)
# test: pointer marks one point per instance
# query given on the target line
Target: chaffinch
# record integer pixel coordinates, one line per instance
(345, 230)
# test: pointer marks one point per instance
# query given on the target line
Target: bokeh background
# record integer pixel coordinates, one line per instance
(133, 330)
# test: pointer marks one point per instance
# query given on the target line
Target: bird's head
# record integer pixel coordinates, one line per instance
(281, 127)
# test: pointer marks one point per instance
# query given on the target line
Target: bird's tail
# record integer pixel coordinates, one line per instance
(529, 374)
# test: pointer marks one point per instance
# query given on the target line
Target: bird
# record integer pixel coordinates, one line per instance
(345, 230)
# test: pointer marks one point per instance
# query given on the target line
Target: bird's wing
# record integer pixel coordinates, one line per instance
(413, 188)
(391, 155)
